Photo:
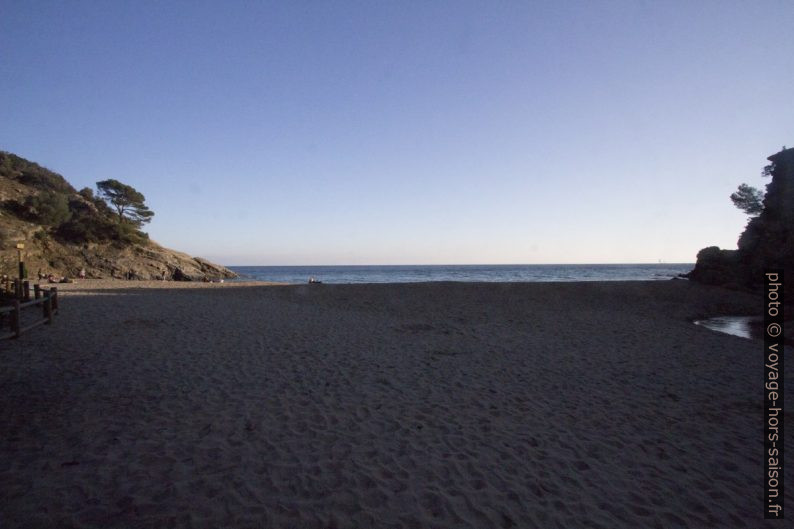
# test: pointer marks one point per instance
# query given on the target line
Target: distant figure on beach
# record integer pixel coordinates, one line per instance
(81, 275)
(312, 280)
(162, 277)
(41, 275)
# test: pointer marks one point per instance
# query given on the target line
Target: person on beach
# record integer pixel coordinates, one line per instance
(162, 277)
(81, 275)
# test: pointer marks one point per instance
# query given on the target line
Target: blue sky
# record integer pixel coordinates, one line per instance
(409, 132)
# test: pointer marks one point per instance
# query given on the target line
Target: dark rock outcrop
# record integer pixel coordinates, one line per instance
(716, 267)
(766, 243)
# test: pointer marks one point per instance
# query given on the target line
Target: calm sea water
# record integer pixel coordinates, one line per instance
(500, 273)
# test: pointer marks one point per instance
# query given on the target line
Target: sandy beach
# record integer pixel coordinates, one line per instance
(441, 405)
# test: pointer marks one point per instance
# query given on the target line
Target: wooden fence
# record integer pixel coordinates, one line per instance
(47, 298)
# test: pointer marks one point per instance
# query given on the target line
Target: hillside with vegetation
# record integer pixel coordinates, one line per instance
(64, 230)
(768, 240)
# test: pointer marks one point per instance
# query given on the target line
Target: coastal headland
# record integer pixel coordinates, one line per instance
(447, 405)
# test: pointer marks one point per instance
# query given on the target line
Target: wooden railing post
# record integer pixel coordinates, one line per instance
(37, 291)
(49, 304)
(48, 307)
(54, 296)
(16, 318)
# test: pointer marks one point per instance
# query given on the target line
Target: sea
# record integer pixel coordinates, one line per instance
(465, 273)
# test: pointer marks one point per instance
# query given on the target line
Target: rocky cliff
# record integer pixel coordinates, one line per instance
(64, 231)
(766, 243)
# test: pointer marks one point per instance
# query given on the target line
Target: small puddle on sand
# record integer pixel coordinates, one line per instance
(743, 326)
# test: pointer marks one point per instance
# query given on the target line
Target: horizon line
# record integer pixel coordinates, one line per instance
(465, 264)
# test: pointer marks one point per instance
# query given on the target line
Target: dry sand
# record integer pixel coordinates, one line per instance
(426, 405)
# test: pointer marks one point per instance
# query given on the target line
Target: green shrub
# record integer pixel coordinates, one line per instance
(83, 227)
(129, 234)
(48, 207)
(32, 174)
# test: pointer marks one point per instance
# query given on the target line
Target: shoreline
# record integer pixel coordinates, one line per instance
(746, 307)
(120, 284)
(401, 405)
(80, 285)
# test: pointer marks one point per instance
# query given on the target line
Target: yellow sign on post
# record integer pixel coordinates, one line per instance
(22, 272)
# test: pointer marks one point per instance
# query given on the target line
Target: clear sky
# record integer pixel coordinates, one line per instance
(409, 132)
